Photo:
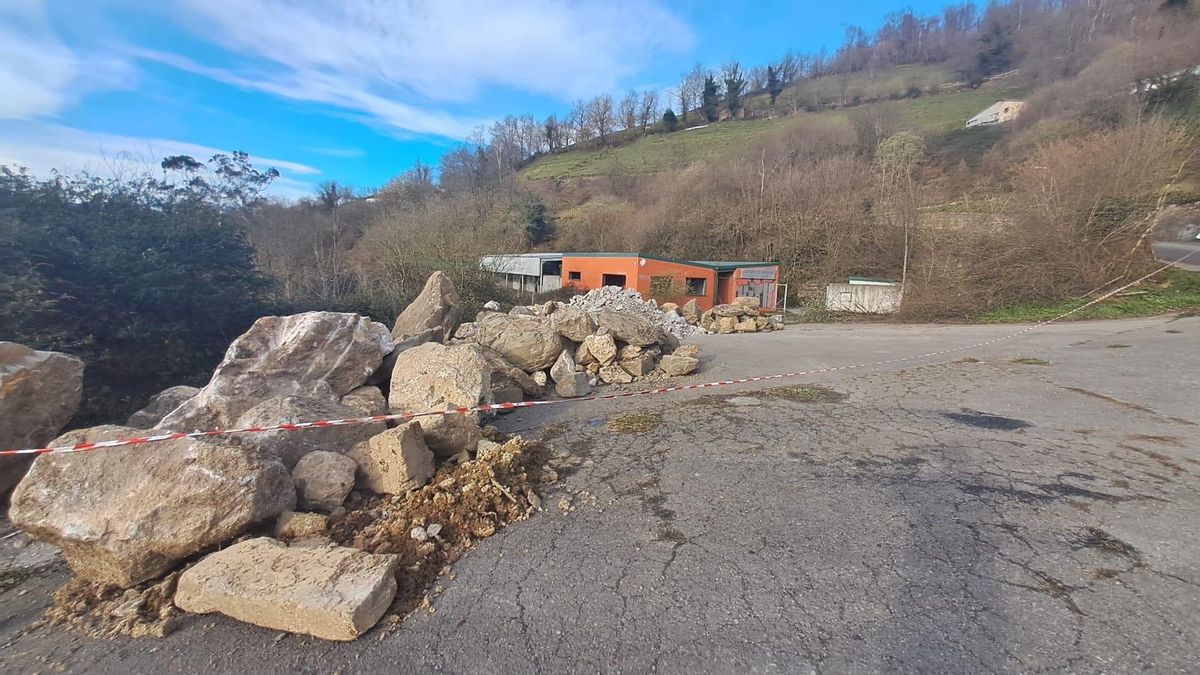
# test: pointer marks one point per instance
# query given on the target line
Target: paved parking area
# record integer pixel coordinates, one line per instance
(976, 514)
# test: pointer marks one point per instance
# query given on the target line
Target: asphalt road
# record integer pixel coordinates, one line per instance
(948, 515)
(1170, 251)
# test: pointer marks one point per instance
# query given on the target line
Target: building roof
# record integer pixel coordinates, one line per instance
(720, 265)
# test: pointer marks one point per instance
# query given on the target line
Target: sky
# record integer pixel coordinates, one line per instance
(352, 90)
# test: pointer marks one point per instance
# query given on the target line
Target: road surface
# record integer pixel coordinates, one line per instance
(966, 513)
(1170, 251)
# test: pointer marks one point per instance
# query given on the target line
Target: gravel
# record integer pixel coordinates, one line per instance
(629, 300)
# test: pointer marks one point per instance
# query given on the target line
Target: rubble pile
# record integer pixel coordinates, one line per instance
(359, 520)
(629, 301)
(743, 315)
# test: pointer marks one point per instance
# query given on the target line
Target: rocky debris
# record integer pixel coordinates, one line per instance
(315, 354)
(669, 307)
(615, 374)
(568, 382)
(104, 611)
(434, 376)
(690, 312)
(743, 315)
(629, 301)
(129, 514)
(638, 361)
(323, 480)
(572, 323)
(601, 349)
(161, 405)
(541, 378)
(437, 306)
(692, 350)
(367, 400)
(630, 328)
(470, 501)
(39, 392)
(394, 461)
(334, 593)
(528, 342)
(294, 525)
(506, 377)
(466, 331)
(290, 446)
(677, 365)
(491, 306)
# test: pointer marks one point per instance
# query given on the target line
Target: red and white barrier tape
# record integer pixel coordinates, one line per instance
(494, 407)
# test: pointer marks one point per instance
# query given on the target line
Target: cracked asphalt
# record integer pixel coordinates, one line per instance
(949, 516)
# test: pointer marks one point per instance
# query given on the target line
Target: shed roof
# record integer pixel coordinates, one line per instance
(719, 265)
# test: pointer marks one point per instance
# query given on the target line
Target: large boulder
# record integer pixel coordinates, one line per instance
(394, 461)
(691, 312)
(367, 400)
(615, 374)
(128, 514)
(506, 376)
(629, 327)
(530, 343)
(568, 382)
(572, 323)
(600, 349)
(315, 355)
(323, 480)
(749, 303)
(677, 364)
(638, 361)
(436, 377)
(39, 392)
(437, 306)
(288, 445)
(330, 592)
(161, 405)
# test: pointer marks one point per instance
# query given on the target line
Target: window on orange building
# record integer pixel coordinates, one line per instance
(575, 276)
(697, 286)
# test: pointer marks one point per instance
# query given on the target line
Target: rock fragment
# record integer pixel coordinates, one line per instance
(330, 592)
(323, 480)
(394, 461)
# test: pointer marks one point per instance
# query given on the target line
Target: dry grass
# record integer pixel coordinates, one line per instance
(635, 423)
(1030, 361)
(808, 394)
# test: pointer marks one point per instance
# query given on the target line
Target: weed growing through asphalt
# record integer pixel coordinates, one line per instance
(805, 394)
(635, 423)
(1030, 361)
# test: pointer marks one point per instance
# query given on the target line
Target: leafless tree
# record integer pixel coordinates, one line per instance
(629, 110)
(648, 110)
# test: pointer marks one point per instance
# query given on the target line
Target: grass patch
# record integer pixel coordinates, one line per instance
(805, 394)
(1178, 291)
(660, 151)
(1030, 361)
(635, 423)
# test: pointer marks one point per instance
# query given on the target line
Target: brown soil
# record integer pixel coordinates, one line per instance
(107, 611)
(470, 502)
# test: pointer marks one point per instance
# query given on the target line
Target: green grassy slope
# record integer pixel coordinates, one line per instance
(930, 115)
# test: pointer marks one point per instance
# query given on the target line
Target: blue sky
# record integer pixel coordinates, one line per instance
(352, 90)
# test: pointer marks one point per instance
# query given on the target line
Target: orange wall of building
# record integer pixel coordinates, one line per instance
(638, 274)
(639, 271)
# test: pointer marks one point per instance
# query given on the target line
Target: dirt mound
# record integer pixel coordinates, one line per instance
(108, 611)
(432, 527)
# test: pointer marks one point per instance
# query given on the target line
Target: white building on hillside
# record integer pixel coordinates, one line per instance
(997, 113)
(526, 272)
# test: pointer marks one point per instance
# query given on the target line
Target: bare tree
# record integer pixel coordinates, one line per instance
(648, 113)
(629, 110)
(601, 118)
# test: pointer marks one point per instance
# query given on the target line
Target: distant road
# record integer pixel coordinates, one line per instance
(1168, 251)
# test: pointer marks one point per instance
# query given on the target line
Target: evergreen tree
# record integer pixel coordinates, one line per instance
(995, 52)
(670, 121)
(537, 220)
(774, 84)
(735, 84)
(710, 99)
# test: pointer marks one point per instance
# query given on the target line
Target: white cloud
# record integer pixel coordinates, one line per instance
(343, 153)
(39, 75)
(396, 61)
(42, 147)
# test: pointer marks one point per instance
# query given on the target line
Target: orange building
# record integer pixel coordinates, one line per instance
(708, 282)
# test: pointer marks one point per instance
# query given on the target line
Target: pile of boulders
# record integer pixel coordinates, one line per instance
(127, 516)
(629, 302)
(743, 315)
(564, 345)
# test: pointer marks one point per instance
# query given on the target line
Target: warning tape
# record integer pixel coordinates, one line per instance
(496, 407)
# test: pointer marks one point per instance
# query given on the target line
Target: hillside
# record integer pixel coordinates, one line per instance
(931, 116)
